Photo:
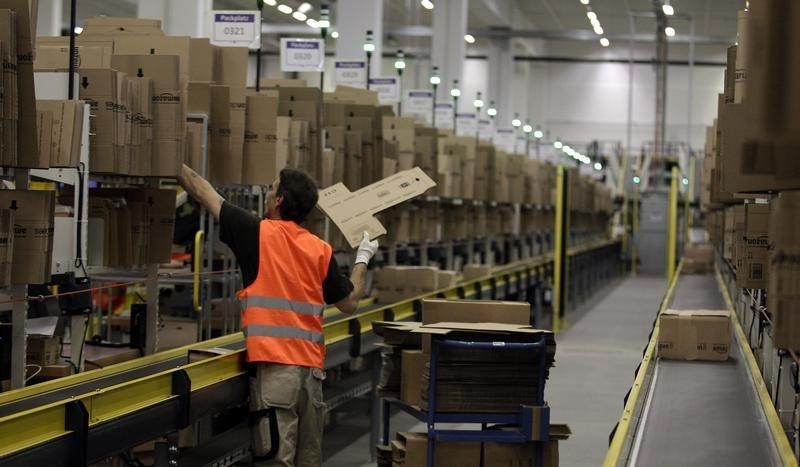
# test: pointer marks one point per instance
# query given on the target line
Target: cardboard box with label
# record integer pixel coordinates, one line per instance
(783, 297)
(354, 212)
(34, 213)
(413, 366)
(694, 335)
(752, 264)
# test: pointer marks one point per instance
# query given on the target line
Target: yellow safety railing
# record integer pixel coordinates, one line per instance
(197, 269)
(672, 225)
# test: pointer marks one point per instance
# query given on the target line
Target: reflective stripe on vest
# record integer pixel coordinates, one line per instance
(289, 332)
(277, 303)
(282, 309)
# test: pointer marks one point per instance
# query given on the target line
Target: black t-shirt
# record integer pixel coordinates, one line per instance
(240, 231)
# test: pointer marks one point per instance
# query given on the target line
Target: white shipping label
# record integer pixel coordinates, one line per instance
(444, 115)
(236, 28)
(388, 89)
(418, 104)
(302, 54)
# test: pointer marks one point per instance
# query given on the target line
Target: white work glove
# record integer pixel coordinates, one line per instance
(366, 250)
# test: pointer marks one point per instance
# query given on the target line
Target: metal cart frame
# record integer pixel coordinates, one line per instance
(532, 421)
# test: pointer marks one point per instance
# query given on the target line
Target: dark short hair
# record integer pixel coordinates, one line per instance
(299, 192)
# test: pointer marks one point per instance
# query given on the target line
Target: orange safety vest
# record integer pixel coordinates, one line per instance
(282, 309)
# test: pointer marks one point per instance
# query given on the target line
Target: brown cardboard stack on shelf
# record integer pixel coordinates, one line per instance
(396, 283)
(752, 264)
(228, 110)
(783, 293)
(6, 245)
(60, 129)
(9, 120)
(130, 227)
(23, 23)
(33, 213)
(262, 162)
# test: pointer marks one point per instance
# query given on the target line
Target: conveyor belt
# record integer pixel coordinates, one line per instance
(699, 413)
(703, 413)
(125, 404)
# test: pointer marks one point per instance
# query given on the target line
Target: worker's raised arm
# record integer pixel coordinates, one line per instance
(365, 253)
(199, 189)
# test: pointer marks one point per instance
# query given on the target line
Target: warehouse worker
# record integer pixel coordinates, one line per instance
(288, 275)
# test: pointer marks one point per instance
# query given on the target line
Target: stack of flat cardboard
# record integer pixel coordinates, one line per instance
(33, 220)
(60, 125)
(396, 283)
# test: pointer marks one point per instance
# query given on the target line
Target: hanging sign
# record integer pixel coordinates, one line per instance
(302, 54)
(418, 104)
(486, 129)
(504, 139)
(351, 73)
(444, 115)
(388, 89)
(466, 124)
(236, 28)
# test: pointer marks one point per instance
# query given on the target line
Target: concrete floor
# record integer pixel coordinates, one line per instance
(595, 361)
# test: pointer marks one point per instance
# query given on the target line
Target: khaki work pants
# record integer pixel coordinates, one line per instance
(295, 394)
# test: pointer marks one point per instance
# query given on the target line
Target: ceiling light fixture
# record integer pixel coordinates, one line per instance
(427, 4)
(598, 30)
(538, 134)
(469, 38)
(591, 15)
(299, 16)
(305, 7)
(335, 34)
(667, 8)
(669, 31)
(285, 9)
(313, 23)
(604, 42)
(584, 2)
(558, 144)
(270, 2)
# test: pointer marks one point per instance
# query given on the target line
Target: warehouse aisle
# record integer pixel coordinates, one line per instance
(595, 361)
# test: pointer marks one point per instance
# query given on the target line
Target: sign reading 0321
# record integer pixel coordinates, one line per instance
(235, 28)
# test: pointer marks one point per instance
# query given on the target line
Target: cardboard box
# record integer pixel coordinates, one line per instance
(228, 112)
(413, 366)
(694, 334)
(116, 26)
(65, 132)
(698, 258)
(783, 299)
(339, 203)
(28, 153)
(524, 454)
(201, 60)
(176, 332)
(34, 213)
(168, 107)
(42, 350)
(54, 56)
(753, 266)
(141, 126)
(476, 271)
(6, 245)
(8, 56)
(446, 279)
(475, 311)
(410, 450)
(194, 146)
(261, 162)
(283, 83)
(230, 67)
(199, 100)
